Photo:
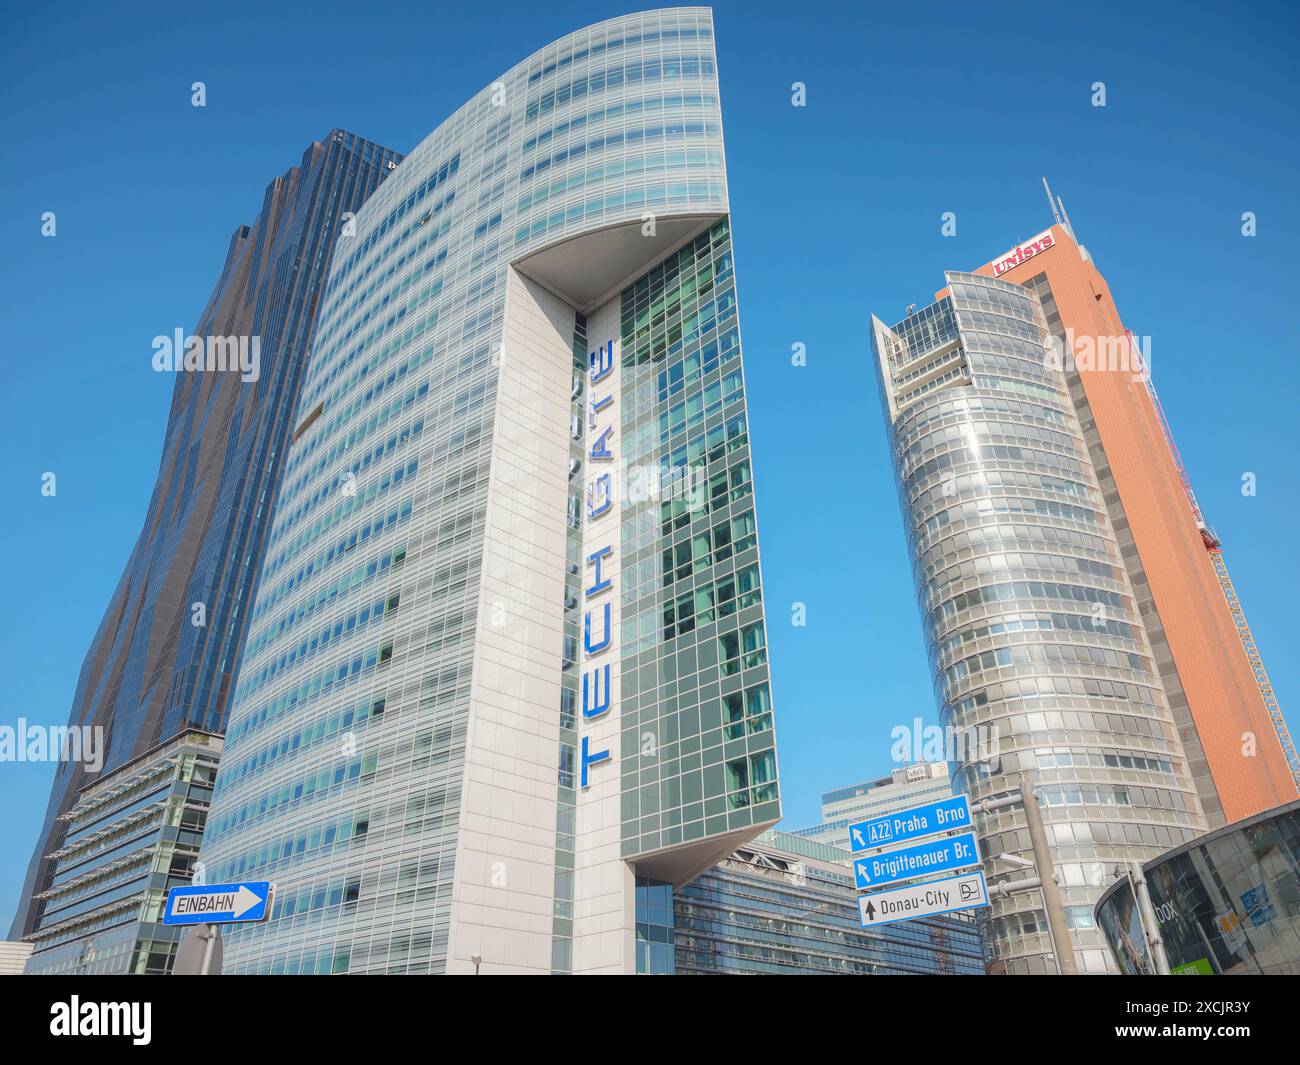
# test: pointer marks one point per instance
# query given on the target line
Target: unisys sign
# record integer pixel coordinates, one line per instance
(1022, 252)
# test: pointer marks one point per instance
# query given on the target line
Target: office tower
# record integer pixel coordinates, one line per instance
(166, 653)
(1237, 743)
(1031, 623)
(905, 787)
(132, 835)
(507, 659)
(787, 906)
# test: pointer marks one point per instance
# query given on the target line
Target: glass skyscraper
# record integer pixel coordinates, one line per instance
(1236, 740)
(1039, 652)
(167, 650)
(507, 672)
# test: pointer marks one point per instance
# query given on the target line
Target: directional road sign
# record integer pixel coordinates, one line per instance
(930, 897)
(218, 903)
(907, 863)
(916, 823)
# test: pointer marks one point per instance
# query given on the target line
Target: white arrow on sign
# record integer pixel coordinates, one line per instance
(857, 835)
(245, 900)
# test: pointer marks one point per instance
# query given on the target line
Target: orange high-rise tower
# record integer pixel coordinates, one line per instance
(1236, 740)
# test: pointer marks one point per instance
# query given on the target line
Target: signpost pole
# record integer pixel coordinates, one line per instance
(211, 933)
(199, 952)
(1147, 914)
(1056, 923)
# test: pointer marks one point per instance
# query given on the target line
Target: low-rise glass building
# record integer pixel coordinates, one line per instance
(130, 837)
(908, 785)
(785, 905)
(1227, 902)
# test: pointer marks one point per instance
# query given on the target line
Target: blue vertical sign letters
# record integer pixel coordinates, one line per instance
(597, 620)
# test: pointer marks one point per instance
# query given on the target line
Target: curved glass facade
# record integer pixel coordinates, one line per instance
(1040, 660)
(1227, 903)
(406, 758)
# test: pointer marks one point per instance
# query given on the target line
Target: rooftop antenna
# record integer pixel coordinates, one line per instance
(1069, 228)
(1066, 213)
(1062, 217)
(1053, 203)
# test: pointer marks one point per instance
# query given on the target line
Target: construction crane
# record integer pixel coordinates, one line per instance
(1215, 550)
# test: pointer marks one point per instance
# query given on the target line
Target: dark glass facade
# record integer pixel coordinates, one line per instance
(1228, 902)
(654, 928)
(157, 666)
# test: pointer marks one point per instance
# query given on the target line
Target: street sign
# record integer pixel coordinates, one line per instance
(213, 903)
(907, 863)
(926, 899)
(916, 823)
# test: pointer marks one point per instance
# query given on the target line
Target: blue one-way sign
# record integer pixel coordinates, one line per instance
(218, 903)
(916, 823)
(906, 863)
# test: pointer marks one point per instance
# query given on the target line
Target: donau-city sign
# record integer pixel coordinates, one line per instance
(925, 899)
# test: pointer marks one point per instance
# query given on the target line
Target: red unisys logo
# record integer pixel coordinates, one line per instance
(1022, 252)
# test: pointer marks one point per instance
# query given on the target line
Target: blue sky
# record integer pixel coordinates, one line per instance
(910, 112)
